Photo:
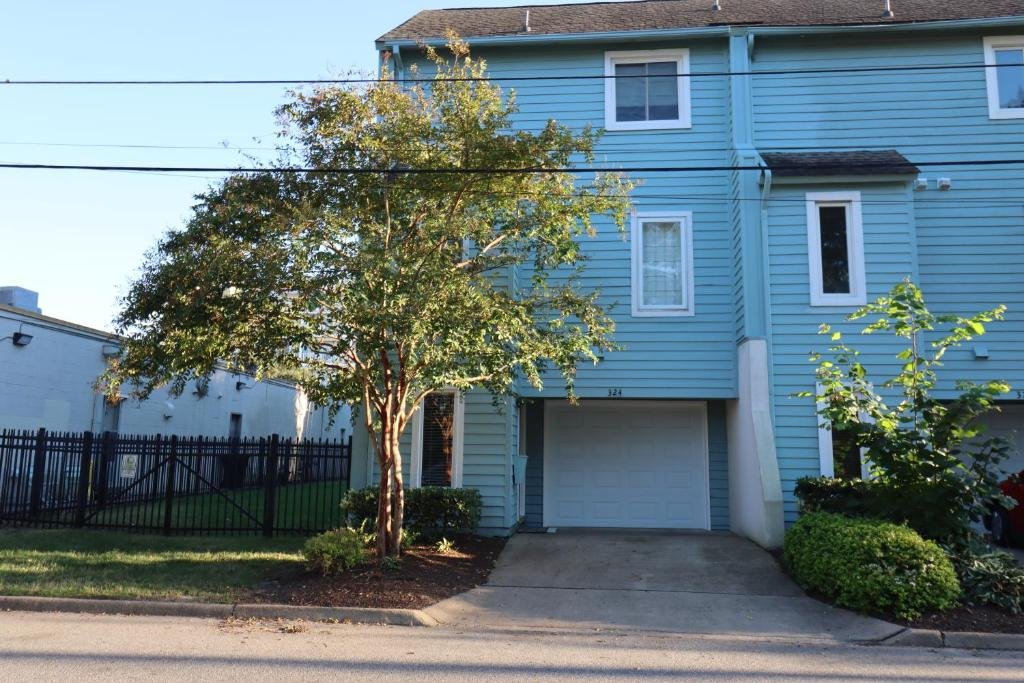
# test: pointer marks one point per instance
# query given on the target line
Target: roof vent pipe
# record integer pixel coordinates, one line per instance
(888, 13)
(716, 6)
(526, 22)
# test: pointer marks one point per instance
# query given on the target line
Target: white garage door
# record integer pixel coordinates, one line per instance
(626, 464)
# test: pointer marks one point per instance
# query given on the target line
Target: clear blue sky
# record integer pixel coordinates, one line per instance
(78, 237)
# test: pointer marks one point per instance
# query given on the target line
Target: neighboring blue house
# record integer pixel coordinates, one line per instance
(838, 114)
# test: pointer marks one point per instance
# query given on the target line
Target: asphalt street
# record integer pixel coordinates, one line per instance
(71, 647)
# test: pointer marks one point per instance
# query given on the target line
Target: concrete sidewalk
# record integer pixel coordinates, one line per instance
(675, 582)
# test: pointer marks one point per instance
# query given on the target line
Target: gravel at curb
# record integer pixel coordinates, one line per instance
(921, 637)
(355, 615)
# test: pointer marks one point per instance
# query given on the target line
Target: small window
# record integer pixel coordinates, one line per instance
(437, 441)
(647, 90)
(662, 264)
(1005, 78)
(836, 249)
(840, 455)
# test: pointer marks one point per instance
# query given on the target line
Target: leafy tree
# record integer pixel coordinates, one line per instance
(928, 469)
(379, 284)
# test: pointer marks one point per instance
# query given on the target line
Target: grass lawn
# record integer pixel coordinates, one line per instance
(308, 507)
(101, 564)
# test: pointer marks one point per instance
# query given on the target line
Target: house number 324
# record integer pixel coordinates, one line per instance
(614, 393)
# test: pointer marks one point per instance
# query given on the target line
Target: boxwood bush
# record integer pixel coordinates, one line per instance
(870, 566)
(430, 511)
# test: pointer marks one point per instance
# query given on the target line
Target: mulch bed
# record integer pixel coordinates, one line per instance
(425, 577)
(986, 619)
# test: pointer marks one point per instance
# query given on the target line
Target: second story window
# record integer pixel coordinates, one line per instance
(647, 90)
(1006, 80)
(662, 264)
(835, 242)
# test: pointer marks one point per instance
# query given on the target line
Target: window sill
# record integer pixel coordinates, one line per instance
(663, 313)
(1005, 114)
(614, 126)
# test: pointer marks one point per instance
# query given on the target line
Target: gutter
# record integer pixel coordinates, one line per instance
(709, 32)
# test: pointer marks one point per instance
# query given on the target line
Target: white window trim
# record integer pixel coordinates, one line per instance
(854, 248)
(825, 457)
(682, 59)
(416, 457)
(992, 75)
(685, 220)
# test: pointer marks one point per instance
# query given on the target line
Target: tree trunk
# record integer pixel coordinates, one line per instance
(398, 500)
(384, 507)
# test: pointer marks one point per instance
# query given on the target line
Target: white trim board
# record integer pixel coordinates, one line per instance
(458, 429)
(991, 44)
(682, 59)
(685, 220)
(857, 296)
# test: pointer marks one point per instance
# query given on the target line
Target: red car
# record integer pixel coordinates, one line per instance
(1007, 526)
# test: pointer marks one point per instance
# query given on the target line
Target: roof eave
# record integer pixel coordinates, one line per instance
(709, 32)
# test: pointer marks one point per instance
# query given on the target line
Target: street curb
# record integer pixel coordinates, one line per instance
(353, 615)
(964, 640)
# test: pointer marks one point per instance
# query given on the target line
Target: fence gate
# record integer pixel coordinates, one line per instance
(171, 484)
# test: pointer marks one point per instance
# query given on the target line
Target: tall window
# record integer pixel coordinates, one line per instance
(437, 441)
(1006, 77)
(835, 240)
(662, 264)
(647, 90)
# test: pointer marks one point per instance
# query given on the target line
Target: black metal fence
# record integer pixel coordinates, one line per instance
(171, 484)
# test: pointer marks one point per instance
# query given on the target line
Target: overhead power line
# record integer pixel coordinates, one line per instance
(551, 77)
(502, 171)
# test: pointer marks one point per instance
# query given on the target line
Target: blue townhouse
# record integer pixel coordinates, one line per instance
(857, 142)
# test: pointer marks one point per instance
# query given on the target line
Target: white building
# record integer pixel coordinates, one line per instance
(48, 368)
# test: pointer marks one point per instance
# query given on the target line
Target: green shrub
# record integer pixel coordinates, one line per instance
(430, 511)
(335, 550)
(827, 494)
(870, 566)
(988, 576)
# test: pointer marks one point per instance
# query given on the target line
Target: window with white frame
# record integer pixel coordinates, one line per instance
(662, 264)
(1005, 76)
(647, 90)
(835, 240)
(437, 441)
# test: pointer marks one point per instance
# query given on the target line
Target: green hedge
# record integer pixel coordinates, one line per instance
(335, 551)
(429, 510)
(870, 566)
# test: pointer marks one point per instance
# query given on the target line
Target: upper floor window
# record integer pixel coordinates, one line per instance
(647, 90)
(1006, 80)
(662, 264)
(835, 240)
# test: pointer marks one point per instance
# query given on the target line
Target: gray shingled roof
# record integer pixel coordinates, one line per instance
(678, 14)
(854, 162)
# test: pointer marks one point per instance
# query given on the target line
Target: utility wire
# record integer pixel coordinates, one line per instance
(472, 79)
(504, 171)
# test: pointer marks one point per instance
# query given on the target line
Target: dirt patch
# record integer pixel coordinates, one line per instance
(986, 619)
(425, 576)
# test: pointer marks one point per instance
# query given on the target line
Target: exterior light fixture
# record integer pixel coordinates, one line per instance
(240, 384)
(21, 339)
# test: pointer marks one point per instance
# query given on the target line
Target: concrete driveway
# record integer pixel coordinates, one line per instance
(663, 581)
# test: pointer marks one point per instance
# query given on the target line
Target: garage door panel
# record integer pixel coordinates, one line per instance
(640, 465)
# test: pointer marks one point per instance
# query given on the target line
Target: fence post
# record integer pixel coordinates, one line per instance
(84, 464)
(270, 486)
(38, 472)
(169, 490)
(106, 451)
